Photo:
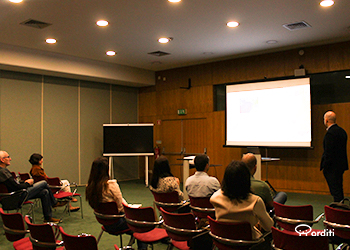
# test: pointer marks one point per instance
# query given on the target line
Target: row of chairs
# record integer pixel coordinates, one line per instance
(42, 236)
(288, 218)
(297, 222)
(15, 200)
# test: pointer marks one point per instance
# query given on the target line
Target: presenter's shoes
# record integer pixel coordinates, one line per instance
(60, 204)
(74, 200)
(53, 220)
(74, 209)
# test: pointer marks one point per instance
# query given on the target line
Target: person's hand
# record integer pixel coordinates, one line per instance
(30, 181)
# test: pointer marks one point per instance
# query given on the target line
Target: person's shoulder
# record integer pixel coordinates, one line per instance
(112, 182)
(216, 194)
(255, 198)
(259, 183)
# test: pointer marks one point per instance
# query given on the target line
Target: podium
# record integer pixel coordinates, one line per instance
(186, 172)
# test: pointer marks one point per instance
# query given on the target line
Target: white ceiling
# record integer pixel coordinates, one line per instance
(197, 26)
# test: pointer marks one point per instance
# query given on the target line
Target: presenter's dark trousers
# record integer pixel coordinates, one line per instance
(334, 180)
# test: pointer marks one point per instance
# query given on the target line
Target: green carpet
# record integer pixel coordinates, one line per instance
(136, 192)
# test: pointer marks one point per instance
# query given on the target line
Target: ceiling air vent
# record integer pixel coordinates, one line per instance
(297, 26)
(35, 24)
(159, 53)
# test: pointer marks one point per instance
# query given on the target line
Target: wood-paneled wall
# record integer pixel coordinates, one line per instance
(298, 169)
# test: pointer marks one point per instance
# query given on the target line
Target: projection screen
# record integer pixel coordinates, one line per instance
(269, 114)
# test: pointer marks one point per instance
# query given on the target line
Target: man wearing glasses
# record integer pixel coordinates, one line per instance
(38, 190)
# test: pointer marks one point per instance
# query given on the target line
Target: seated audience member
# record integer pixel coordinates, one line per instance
(100, 189)
(261, 188)
(38, 173)
(39, 190)
(163, 180)
(201, 184)
(235, 202)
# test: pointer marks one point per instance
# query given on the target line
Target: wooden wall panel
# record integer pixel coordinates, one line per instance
(339, 56)
(316, 59)
(298, 169)
(148, 103)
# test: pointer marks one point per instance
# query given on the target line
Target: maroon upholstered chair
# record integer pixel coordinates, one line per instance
(57, 190)
(288, 240)
(339, 221)
(169, 201)
(15, 230)
(82, 241)
(142, 222)
(233, 235)
(289, 217)
(107, 214)
(201, 207)
(181, 228)
(44, 236)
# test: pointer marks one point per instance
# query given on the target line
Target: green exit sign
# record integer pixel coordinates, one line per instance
(182, 111)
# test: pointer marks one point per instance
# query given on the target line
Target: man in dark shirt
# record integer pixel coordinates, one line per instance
(38, 190)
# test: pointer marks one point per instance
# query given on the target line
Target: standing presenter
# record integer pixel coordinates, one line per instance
(334, 159)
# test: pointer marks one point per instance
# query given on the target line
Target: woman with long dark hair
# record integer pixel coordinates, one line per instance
(100, 189)
(235, 202)
(163, 180)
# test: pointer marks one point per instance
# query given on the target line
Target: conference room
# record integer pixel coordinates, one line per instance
(56, 98)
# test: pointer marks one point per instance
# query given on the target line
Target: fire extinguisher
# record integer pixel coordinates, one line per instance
(156, 151)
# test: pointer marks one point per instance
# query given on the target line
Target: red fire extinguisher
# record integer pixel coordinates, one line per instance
(156, 151)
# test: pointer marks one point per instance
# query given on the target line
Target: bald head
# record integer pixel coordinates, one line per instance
(250, 160)
(329, 118)
(3, 154)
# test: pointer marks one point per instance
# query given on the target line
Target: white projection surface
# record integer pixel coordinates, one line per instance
(271, 114)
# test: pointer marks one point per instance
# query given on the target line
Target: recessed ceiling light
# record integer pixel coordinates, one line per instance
(327, 3)
(271, 42)
(51, 40)
(174, 1)
(165, 39)
(16, 1)
(110, 53)
(102, 23)
(232, 24)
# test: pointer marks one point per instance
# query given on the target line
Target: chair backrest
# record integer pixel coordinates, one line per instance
(38, 178)
(288, 240)
(180, 227)
(13, 200)
(303, 213)
(231, 235)
(107, 213)
(14, 226)
(201, 207)
(339, 220)
(169, 201)
(141, 219)
(42, 236)
(24, 176)
(54, 183)
(14, 175)
(74, 242)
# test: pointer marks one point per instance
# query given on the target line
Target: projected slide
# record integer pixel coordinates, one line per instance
(274, 113)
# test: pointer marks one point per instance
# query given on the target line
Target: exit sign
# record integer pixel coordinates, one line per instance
(182, 111)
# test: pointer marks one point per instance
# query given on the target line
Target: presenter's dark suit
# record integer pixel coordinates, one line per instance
(334, 160)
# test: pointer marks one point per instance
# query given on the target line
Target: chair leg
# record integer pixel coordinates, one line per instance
(99, 237)
(81, 207)
(121, 240)
(131, 241)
